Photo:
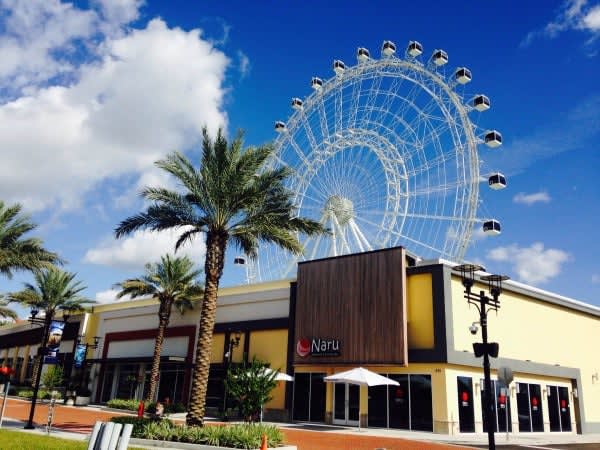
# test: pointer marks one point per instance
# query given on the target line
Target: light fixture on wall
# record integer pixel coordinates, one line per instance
(594, 378)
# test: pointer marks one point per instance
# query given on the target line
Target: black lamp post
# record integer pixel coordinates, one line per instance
(484, 304)
(45, 322)
(234, 341)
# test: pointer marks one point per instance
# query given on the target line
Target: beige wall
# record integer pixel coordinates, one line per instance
(536, 332)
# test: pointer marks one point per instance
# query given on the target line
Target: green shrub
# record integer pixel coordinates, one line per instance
(122, 403)
(42, 394)
(138, 423)
(244, 436)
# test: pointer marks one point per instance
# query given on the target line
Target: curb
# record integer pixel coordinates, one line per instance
(186, 446)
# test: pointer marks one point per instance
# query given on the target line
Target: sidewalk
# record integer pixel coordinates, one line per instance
(76, 422)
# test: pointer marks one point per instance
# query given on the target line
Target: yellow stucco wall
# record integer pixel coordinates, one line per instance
(271, 346)
(419, 311)
(216, 353)
(536, 331)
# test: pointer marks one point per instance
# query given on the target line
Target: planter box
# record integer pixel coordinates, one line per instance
(82, 401)
(184, 446)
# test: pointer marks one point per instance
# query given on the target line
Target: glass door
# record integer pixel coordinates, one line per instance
(346, 404)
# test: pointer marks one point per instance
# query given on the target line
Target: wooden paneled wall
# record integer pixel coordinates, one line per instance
(359, 299)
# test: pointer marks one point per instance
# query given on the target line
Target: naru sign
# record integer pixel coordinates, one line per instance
(318, 347)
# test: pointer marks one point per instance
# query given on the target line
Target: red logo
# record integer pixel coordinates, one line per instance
(303, 347)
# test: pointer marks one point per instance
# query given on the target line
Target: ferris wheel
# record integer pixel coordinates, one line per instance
(385, 153)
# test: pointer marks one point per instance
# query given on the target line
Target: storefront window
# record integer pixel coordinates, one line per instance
(529, 407)
(421, 412)
(466, 415)
(558, 408)
(171, 383)
(127, 382)
(503, 417)
(107, 383)
(406, 406)
(378, 406)
(309, 397)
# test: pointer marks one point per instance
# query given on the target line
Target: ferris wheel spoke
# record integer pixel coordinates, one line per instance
(322, 118)
(373, 94)
(354, 102)
(338, 110)
(309, 133)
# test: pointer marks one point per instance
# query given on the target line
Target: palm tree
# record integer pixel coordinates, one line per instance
(16, 251)
(172, 282)
(54, 290)
(6, 312)
(233, 197)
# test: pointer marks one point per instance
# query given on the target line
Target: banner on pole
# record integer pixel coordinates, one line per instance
(54, 338)
(80, 352)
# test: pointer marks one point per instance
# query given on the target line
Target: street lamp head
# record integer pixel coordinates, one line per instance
(34, 312)
(236, 338)
(467, 273)
(495, 283)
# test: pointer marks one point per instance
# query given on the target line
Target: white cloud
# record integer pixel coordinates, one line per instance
(108, 296)
(533, 264)
(150, 93)
(530, 199)
(243, 64)
(143, 247)
(573, 15)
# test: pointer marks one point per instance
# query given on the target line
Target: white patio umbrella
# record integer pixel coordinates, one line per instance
(362, 377)
(280, 375)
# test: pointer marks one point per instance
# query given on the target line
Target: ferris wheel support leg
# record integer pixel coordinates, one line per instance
(341, 234)
(357, 238)
(355, 228)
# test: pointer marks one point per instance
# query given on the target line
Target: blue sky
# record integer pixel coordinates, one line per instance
(92, 93)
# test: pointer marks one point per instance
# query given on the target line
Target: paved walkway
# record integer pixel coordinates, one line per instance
(74, 422)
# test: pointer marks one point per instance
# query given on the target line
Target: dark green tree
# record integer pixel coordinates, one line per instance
(233, 197)
(251, 386)
(172, 282)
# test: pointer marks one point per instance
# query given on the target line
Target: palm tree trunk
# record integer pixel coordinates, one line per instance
(164, 313)
(215, 260)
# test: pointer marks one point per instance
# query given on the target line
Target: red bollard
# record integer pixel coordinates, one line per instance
(141, 409)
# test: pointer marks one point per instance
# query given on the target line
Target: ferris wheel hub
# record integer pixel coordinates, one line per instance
(339, 207)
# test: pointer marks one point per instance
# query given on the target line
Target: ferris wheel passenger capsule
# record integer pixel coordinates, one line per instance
(463, 75)
(339, 67)
(363, 54)
(481, 103)
(493, 139)
(316, 83)
(439, 57)
(414, 48)
(297, 103)
(491, 227)
(497, 181)
(279, 126)
(388, 48)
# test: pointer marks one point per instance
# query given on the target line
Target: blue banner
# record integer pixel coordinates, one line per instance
(79, 357)
(54, 338)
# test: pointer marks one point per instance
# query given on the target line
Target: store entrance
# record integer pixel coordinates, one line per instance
(346, 401)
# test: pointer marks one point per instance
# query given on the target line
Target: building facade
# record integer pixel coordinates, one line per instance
(381, 310)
